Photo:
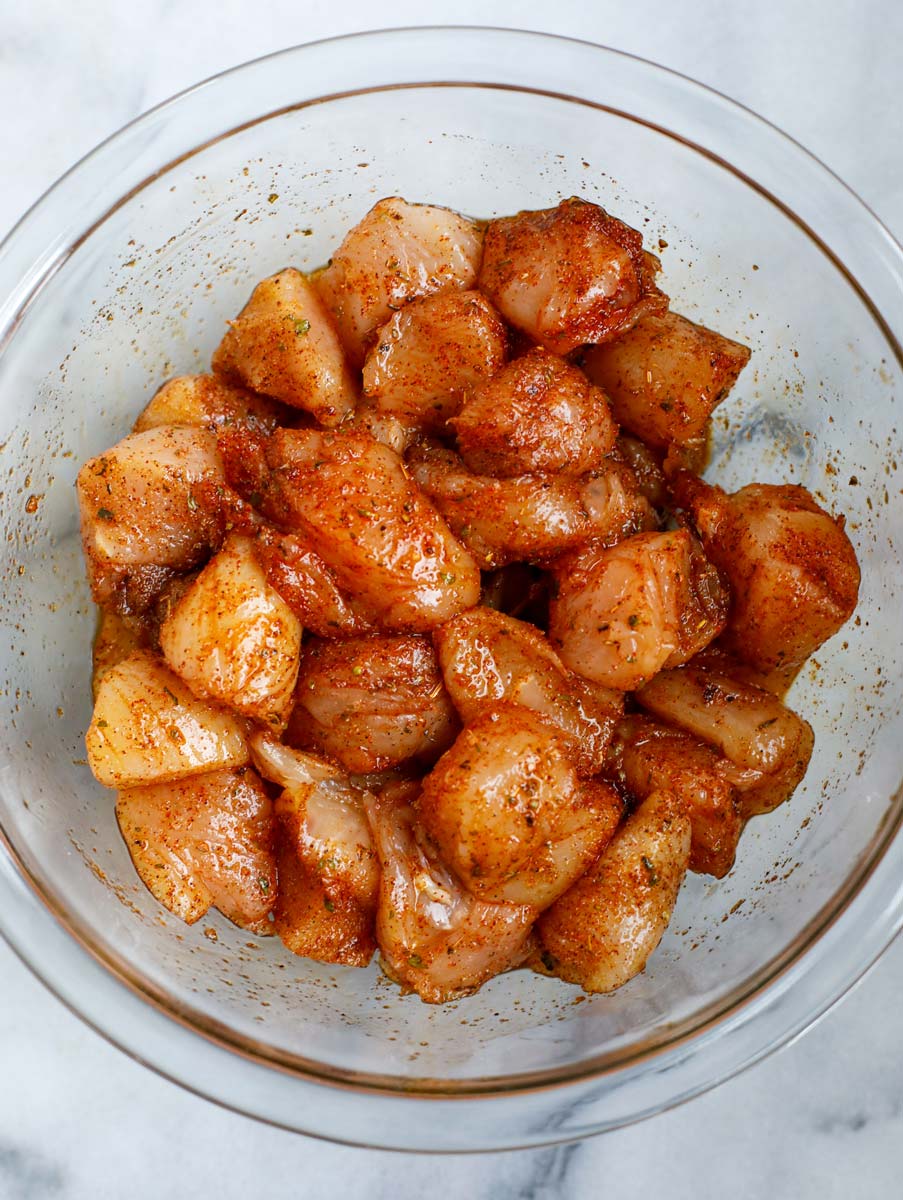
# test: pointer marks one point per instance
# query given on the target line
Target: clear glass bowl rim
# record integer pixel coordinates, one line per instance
(792, 992)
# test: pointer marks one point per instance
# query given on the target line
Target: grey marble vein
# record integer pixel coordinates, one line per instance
(27, 1175)
(550, 1174)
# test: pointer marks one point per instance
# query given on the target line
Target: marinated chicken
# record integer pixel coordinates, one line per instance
(232, 638)
(601, 932)
(665, 377)
(619, 614)
(209, 402)
(767, 742)
(355, 502)
(328, 877)
(507, 812)
(284, 344)
(537, 416)
(792, 572)
(569, 276)
(429, 356)
(647, 757)
(435, 937)
(142, 515)
(202, 842)
(533, 518)
(372, 703)
(420, 635)
(487, 656)
(399, 252)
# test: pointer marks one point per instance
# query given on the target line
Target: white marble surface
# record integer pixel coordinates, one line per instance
(824, 1117)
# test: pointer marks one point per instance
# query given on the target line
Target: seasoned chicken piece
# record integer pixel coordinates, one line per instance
(209, 402)
(306, 584)
(142, 514)
(232, 638)
(648, 757)
(569, 275)
(434, 937)
(351, 499)
(148, 727)
(283, 343)
(530, 518)
(665, 377)
(487, 656)
(429, 356)
(621, 614)
(768, 744)
(646, 469)
(328, 870)
(383, 426)
(602, 931)
(114, 641)
(539, 415)
(372, 702)
(243, 453)
(204, 842)
(397, 253)
(507, 812)
(793, 573)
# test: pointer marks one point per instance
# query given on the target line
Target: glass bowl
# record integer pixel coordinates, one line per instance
(125, 272)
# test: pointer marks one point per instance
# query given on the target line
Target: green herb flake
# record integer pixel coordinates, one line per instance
(650, 870)
(329, 905)
(302, 326)
(101, 723)
(173, 697)
(415, 960)
(192, 503)
(357, 670)
(633, 620)
(447, 577)
(263, 883)
(106, 515)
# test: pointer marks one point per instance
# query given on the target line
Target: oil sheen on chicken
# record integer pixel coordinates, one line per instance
(487, 656)
(507, 812)
(352, 500)
(328, 876)
(436, 938)
(602, 931)
(569, 275)
(372, 703)
(204, 842)
(397, 253)
(621, 614)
